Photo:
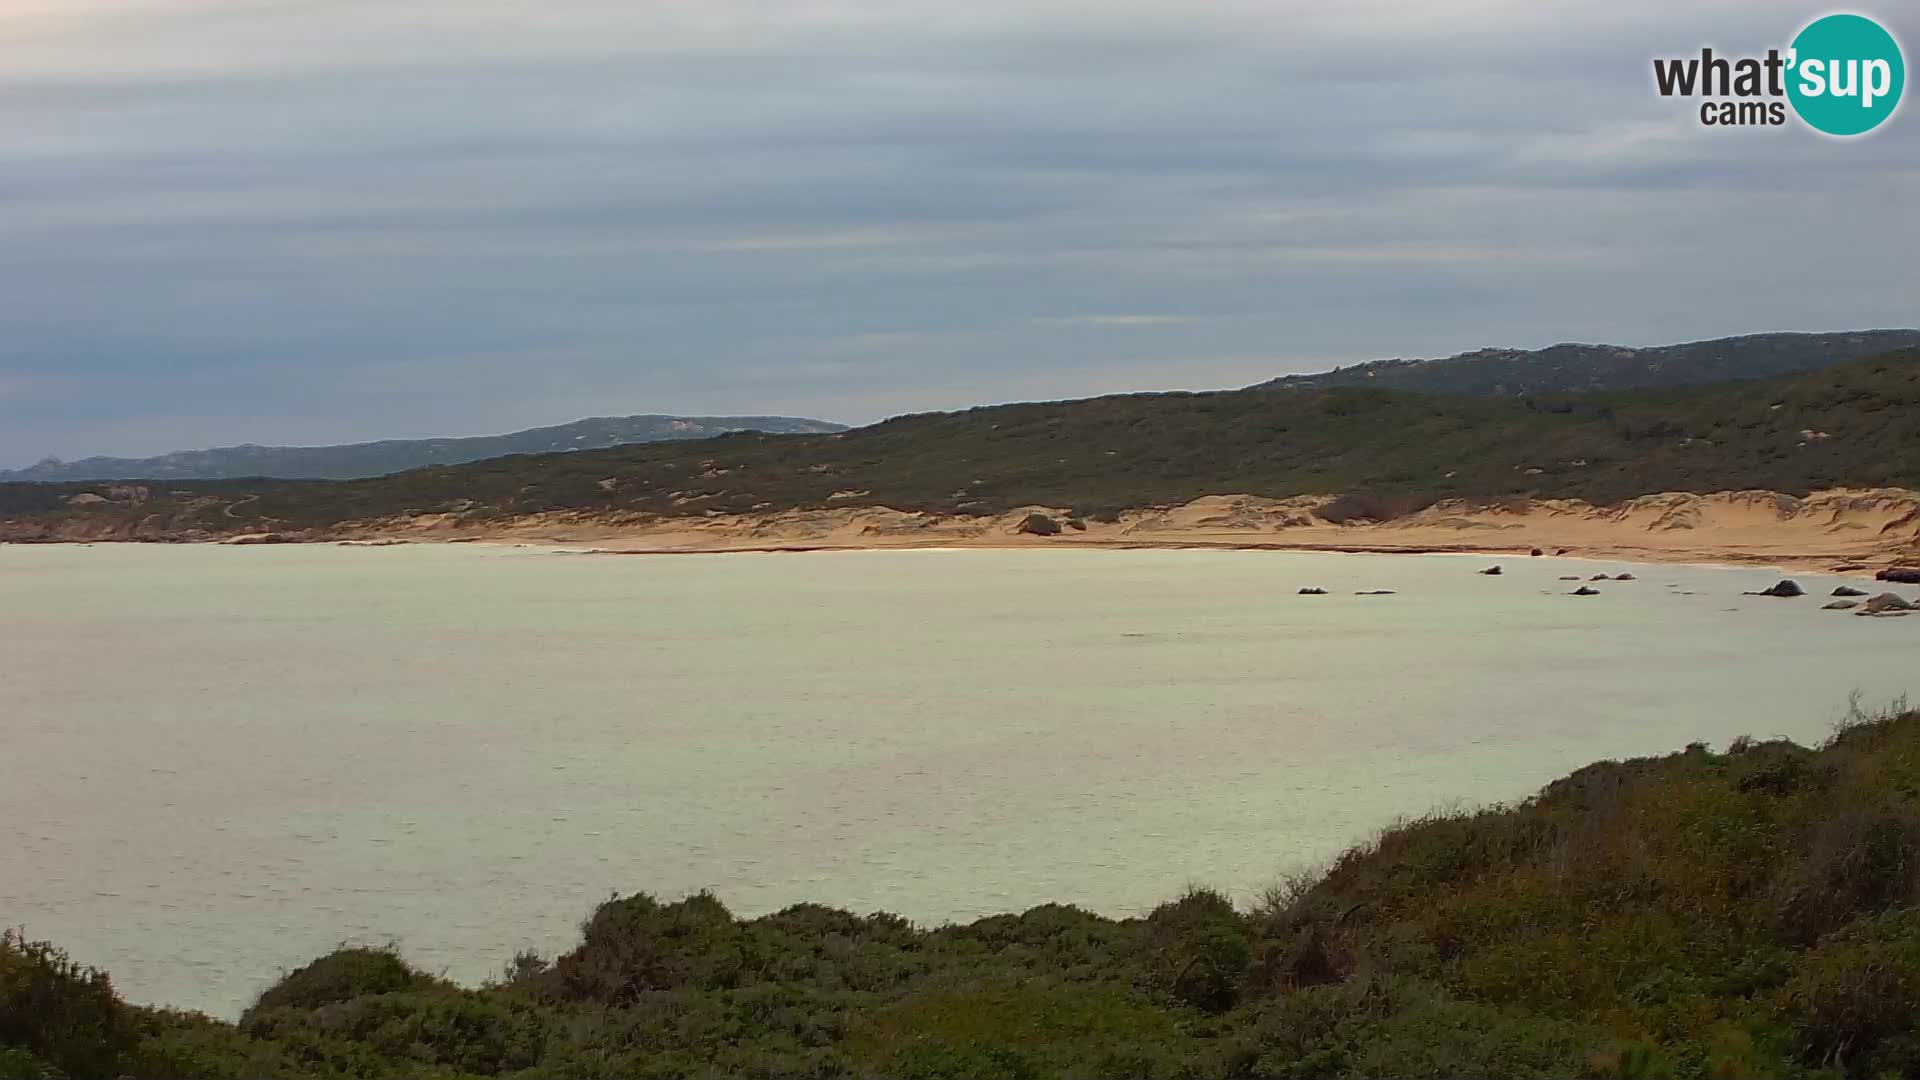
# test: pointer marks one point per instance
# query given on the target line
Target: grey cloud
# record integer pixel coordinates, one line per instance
(321, 221)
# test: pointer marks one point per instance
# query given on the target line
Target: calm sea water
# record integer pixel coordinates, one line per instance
(217, 763)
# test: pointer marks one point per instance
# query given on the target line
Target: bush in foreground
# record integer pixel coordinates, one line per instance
(1735, 916)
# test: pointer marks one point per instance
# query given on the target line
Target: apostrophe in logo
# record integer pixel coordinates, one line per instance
(1845, 74)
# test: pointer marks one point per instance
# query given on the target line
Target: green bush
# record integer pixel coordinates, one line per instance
(340, 976)
(57, 1016)
(1747, 915)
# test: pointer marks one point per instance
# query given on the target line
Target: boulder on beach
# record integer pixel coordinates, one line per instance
(1313, 590)
(1536, 553)
(1039, 525)
(1888, 604)
(1840, 605)
(1784, 587)
(1903, 575)
(1585, 590)
(1848, 590)
(1491, 571)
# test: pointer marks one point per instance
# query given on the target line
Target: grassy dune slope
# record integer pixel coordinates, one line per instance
(1743, 914)
(1852, 425)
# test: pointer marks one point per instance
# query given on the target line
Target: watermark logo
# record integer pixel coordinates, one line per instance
(1842, 75)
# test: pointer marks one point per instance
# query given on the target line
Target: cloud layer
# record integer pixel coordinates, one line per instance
(323, 220)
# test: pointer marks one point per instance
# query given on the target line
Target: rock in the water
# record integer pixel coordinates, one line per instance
(1491, 571)
(1585, 590)
(1888, 604)
(1904, 575)
(1841, 605)
(1570, 577)
(1039, 525)
(1848, 590)
(1598, 577)
(1624, 577)
(1785, 587)
(1374, 592)
(1312, 590)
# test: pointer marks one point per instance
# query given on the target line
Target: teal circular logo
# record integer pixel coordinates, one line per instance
(1845, 74)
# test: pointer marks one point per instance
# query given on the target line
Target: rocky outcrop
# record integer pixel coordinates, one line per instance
(1888, 604)
(1038, 525)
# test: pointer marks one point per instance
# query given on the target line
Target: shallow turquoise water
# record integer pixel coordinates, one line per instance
(222, 761)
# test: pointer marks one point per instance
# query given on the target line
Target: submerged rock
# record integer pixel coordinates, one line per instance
(1491, 571)
(1887, 604)
(1786, 587)
(1374, 592)
(1840, 605)
(1570, 577)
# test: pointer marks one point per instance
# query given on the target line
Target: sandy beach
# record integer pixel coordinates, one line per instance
(1853, 528)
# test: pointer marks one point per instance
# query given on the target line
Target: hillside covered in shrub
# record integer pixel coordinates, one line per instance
(1570, 368)
(1750, 913)
(1851, 425)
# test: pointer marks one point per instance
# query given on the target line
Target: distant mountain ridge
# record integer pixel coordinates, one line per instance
(353, 461)
(1574, 368)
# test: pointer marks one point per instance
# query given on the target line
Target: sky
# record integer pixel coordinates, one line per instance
(317, 221)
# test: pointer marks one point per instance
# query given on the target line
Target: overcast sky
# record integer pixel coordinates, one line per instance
(308, 221)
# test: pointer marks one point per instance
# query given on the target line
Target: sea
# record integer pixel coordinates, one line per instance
(217, 762)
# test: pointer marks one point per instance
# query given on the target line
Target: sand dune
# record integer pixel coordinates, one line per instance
(1869, 527)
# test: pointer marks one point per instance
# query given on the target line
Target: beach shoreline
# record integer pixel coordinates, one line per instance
(1858, 531)
(1838, 531)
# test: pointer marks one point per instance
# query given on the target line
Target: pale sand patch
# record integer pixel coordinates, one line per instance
(1874, 527)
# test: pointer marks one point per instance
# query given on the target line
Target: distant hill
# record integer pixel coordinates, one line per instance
(356, 460)
(1570, 368)
(1851, 425)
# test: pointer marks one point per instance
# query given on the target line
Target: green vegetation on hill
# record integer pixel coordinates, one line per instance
(1734, 916)
(1853, 425)
(1570, 368)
